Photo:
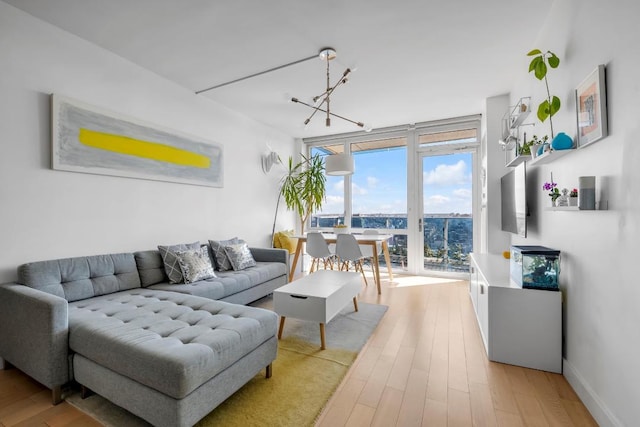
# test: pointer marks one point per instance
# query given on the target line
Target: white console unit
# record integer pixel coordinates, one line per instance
(519, 326)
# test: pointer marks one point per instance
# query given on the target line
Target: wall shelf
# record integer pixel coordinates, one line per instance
(562, 208)
(548, 157)
(517, 160)
(602, 205)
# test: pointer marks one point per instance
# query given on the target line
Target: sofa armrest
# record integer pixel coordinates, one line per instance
(34, 330)
(271, 255)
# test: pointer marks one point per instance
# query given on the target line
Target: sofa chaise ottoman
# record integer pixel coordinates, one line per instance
(165, 356)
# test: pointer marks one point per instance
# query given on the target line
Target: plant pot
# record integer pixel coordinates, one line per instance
(573, 201)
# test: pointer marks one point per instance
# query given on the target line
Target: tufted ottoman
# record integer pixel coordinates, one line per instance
(169, 358)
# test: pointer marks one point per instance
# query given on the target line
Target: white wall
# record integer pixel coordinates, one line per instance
(47, 214)
(599, 248)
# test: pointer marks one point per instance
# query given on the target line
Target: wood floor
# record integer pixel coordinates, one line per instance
(424, 365)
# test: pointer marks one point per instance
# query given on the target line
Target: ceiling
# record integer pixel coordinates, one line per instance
(414, 60)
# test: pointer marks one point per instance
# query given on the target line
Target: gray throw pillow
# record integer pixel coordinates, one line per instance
(171, 266)
(195, 264)
(240, 256)
(219, 255)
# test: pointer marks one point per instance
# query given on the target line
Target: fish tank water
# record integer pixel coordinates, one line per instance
(535, 267)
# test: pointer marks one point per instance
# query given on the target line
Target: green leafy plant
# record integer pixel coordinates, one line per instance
(540, 64)
(303, 188)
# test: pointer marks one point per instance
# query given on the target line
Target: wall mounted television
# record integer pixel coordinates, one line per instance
(513, 190)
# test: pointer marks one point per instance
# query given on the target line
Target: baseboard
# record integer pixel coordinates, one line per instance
(598, 409)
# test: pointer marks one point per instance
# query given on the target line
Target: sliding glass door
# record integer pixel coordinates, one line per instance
(445, 223)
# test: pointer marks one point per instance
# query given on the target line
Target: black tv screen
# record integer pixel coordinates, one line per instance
(514, 201)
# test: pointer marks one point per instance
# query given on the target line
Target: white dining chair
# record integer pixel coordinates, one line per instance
(319, 251)
(367, 250)
(348, 252)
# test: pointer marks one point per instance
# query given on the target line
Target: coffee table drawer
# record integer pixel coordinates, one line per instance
(301, 307)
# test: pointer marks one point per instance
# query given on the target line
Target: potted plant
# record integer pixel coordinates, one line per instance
(554, 192)
(303, 188)
(537, 144)
(573, 197)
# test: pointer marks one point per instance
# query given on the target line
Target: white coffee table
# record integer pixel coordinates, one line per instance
(317, 297)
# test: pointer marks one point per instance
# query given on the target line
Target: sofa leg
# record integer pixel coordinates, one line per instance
(4, 364)
(85, 392)
(56, 395)
(269, 370)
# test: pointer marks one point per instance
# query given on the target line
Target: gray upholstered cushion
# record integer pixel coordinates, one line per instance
(219, 255)
(195, 264)
(171, 266)
(239, 256)
(141, 333)
(82, 277)
(150, 267)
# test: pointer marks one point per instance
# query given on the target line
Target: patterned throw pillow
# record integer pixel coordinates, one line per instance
(171, 266)
(240, 256)
(219, 255)
(195, 264)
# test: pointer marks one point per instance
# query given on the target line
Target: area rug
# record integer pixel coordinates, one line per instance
(304, 377)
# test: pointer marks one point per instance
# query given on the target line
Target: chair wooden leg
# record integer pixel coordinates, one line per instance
(362, 271)
(355, 303)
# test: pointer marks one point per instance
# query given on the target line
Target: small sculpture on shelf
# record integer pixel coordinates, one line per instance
(563, 200)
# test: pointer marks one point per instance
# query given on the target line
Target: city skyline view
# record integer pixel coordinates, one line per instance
(379, 184)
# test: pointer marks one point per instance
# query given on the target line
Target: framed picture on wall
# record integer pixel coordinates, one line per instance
(591, 108)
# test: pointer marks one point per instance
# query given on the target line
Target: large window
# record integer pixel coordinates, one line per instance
(412, 182)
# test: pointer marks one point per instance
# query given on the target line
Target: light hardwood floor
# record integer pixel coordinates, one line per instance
(424, 365)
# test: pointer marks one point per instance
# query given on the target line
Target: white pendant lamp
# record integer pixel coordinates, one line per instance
(339, 164)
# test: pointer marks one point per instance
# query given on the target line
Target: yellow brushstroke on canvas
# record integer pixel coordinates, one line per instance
(145, 149)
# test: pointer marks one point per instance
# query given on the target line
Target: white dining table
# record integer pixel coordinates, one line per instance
(363, 239)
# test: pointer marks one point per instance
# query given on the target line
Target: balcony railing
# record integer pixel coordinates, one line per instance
(448, 238)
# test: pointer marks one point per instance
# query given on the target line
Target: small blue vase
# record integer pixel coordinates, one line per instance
(541, 149)
(562, 141)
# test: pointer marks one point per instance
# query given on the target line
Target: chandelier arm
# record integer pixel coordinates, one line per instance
(326, 94)
(297, 101)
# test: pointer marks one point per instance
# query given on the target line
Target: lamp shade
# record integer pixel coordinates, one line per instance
(339, 164)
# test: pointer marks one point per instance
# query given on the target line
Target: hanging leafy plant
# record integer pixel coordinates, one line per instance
(540, 64)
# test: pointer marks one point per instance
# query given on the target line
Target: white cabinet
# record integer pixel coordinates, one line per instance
(519, 326)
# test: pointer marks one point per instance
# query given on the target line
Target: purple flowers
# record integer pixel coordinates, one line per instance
(554, 193)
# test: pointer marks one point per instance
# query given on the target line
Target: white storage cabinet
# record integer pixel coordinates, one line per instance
(519, 326)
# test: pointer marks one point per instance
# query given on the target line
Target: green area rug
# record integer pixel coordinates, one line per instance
(304, 377)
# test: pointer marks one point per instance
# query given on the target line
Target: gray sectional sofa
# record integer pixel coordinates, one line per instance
(169, 353)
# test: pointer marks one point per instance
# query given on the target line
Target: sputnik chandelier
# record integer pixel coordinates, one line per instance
(322, 102)
(324, 99)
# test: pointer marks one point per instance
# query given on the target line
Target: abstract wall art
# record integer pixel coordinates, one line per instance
(591, 108)
(90, 140)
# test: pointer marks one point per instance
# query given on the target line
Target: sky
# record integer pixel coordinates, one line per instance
(379, 184)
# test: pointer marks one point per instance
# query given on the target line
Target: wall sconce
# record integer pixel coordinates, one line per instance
(268, 160)
(339, 164)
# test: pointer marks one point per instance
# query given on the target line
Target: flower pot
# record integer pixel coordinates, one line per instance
(573, 201)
